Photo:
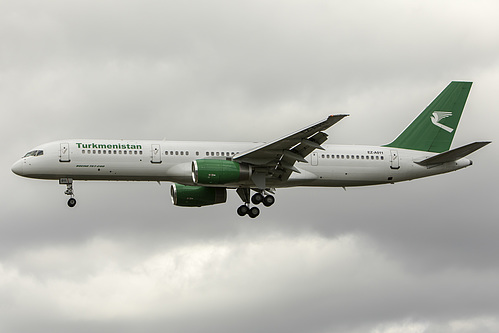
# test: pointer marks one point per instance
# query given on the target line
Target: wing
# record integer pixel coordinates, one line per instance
(276, 159)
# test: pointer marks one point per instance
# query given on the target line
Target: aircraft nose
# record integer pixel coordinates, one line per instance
(17, 168)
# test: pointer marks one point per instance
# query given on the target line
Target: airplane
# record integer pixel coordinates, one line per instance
(202, 172)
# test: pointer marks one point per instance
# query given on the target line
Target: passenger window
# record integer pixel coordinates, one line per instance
(166, 152)
(212, 154)
(357, 157)
(120, 152)
(176, 152)
(83, 152)
(186, 153)
(223, 154)
(348, 156)
(207, 154)
(93, 152)
(104, 152)
(140, 152)
(98, 151)
(197, 153)
(182, 153)
(109, 152)
(382, 157)
(377, 157)
(342, 156)
(124, 152)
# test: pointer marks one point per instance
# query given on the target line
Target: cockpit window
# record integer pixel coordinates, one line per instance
(31, 153)
(34, 153)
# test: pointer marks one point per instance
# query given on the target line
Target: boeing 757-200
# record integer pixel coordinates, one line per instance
(202, 172)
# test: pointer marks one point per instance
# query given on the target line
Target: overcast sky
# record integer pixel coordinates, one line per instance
(414, 257)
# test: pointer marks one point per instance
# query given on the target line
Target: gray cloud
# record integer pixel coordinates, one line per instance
(414, 257)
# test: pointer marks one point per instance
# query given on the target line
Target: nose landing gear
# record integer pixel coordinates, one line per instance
(71, 202)
(69, 190)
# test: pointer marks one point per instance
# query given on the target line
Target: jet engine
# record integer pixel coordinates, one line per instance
(219, 172)
(197, 196)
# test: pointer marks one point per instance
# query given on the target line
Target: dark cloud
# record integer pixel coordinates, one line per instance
(415, 257)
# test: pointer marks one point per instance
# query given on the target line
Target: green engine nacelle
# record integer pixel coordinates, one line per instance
(219, 172)
(197, 196)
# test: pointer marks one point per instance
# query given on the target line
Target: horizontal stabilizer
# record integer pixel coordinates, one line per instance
(454, 154)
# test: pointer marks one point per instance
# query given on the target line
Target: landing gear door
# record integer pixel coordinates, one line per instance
(155, 153)
(394, 159)
(64, 153)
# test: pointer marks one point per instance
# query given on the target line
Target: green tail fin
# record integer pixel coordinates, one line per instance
(434, 129)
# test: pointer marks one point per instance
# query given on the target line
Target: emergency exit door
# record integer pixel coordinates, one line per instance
(315, 159)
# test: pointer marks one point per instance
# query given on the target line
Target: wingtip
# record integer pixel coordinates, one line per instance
(338, 115)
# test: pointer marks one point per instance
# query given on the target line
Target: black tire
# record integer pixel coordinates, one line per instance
(254, 212)
(243, 210)
(71, 202)
(268, 200)
(257, 198)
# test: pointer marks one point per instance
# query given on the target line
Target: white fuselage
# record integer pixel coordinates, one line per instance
(145, 160)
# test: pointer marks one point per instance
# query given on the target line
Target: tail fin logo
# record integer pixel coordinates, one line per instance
(437, 116)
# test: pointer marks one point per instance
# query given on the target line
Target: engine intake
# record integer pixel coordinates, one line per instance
(219, 172)
(197, 196)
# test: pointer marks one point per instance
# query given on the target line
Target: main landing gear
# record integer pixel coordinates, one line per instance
(69, 190)
(257, 198)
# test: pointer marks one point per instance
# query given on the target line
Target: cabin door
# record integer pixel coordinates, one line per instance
(394, 159)
(155, 153)
(64, 153)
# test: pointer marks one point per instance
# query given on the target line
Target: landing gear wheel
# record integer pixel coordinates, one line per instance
(268, 200)
(71, 202)
(69, 190)
(254, 212)
(243, 210)
(257, 198)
